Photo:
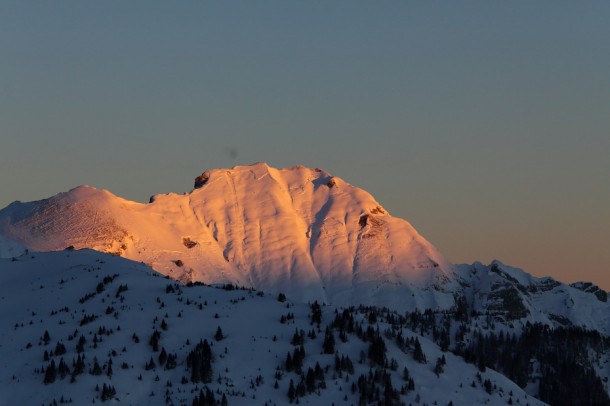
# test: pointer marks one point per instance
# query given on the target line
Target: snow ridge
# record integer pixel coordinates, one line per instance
(299, 230)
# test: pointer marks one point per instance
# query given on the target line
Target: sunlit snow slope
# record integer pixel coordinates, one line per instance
(299, 230)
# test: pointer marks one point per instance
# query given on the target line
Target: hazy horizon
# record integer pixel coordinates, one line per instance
(484, 126)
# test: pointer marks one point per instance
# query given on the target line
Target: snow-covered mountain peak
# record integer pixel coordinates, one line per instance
(297, 176)
(311, 236)
(298, 230)
(82, 192)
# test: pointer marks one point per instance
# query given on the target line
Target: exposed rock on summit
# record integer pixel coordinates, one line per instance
(201, 180)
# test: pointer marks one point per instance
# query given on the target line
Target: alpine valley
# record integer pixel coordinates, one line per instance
(273, 286)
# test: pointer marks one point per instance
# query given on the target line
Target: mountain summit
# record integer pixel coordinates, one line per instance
(302, 232)
(299, 230)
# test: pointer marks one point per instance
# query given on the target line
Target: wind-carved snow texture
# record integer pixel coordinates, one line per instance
(298, 230)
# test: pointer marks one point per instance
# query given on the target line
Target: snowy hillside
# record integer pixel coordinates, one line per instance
(83, 327)
(9, 248)
(320, 297)
(513, 297)
(301, 231)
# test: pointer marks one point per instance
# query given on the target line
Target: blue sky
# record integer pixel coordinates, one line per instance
(485, 124)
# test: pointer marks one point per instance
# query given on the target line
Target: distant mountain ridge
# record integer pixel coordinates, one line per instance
(300, 231)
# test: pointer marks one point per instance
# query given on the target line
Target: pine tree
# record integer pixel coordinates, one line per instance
(298, 337)
(291, 391)
(347, 365)
(60, 349)
(405, 374)
(218, 336)
(318, 372)
(150, 365)
(108, 392)
(310, 381)
(297, 358)
(389, 394)
(162, 356)
(50, 373)
(418, 353)
(488, 386)
(411, 385)
(80, 347)
(171, 362)
(288, 365)
(79, 367)
(329, 342)
(200, 362)
(154, 340)
(63, 369)
(46, 337)
(96, 370)
(377, 351)
(316, 313)
(439, 368)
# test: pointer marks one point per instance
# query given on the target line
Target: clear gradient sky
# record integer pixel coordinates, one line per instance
(486, 124)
